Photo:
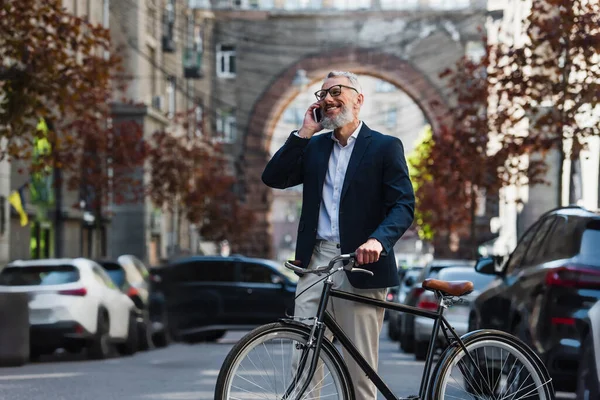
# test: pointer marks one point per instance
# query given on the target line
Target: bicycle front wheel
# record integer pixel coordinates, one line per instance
(503, 367)
(265, 365)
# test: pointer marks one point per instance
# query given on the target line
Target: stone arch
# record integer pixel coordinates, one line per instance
(280, 92)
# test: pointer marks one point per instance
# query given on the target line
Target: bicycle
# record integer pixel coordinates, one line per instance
(519, 375)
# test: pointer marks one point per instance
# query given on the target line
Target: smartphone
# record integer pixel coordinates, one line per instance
(317, 114)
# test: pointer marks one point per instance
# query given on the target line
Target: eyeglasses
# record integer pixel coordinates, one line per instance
(334, 91)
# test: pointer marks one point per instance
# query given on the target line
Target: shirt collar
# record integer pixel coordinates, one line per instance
(353, 136)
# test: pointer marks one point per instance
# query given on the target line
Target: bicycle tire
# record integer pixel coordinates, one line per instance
(329, 355)
(502, 340)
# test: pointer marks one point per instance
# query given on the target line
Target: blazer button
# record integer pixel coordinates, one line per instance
(315, 230)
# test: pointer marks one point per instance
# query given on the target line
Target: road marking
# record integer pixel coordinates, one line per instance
(181, 396)
(402, 362)
(39, 376)
(210, 372)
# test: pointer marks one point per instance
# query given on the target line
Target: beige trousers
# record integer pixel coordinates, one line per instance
(361, 323)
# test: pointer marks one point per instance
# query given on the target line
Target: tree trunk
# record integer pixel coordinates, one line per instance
(58, 220)
(561, 170)
(473, 234)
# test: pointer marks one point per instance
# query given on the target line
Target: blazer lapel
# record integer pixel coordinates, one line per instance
(362, 142)
(325, 148)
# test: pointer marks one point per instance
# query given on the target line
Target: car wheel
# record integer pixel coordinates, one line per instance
(472, 323)
(145, 333)
(73, 348)
(407, 343)
(100, 347)
(587, 377)
(393, 328)
(131, 344)
(215, 335)
(421, 350)
(162, 338)
(211, 336)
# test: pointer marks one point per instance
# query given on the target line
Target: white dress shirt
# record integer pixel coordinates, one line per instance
(329, 212)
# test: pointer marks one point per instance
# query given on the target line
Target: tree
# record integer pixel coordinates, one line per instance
(189, 177)
(54, 68)
(59, 73)
(551, 81)
(462, 163)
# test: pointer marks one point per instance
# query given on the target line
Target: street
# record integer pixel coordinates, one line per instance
(178, 372)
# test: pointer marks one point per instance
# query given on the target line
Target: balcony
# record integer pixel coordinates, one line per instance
(192, 64)
(308, 6)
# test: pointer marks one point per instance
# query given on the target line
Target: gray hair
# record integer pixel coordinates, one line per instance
(349, 75)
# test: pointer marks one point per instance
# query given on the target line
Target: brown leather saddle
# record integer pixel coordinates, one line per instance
(448, 288)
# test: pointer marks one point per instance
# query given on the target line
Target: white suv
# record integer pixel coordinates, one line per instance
(73, 304)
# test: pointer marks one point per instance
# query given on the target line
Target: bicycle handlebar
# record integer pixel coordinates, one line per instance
(326, 268)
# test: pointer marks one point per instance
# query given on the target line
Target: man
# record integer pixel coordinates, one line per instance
(357, 196)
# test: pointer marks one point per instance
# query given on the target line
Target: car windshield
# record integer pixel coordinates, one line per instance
(42, 275)
(115, 271)
(590, 251)
(282, 269)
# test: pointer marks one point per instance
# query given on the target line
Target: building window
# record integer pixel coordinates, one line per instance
(449, 4)
(151, 19)
(226, 127)
(198, 119)
(475, 50)
(225, 61)
(168, 34)
(391, 117)
(384, 87)
(171, 97)
(153, 76)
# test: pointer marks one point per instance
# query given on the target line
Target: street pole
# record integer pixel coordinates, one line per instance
(58, 228)
(57, 175)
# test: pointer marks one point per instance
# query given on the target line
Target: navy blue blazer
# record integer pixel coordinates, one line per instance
(377, 199)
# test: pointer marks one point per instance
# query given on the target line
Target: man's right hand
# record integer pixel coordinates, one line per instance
(310, 126)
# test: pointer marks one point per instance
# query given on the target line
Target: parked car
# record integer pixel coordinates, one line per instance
(543, 292)
(398, 295)
(457, 315)
(407, 321)
(206, 296)
(588, 378)
(73, 305)
(131, 275)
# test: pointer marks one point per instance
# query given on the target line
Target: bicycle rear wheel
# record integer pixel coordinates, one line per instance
(505, 368)
(260, 367)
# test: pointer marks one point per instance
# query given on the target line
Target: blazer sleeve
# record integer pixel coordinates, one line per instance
(285, 169)
(398, 197)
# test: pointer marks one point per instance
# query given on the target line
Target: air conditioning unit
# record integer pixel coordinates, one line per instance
(158, 102)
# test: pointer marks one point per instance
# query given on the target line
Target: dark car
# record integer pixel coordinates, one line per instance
(398, 295)
(131, 275)
(206, 296)
(588, 380)
(407, 321)
(543, 292)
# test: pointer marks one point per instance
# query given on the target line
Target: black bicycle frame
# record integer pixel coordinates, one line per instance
(326, 320)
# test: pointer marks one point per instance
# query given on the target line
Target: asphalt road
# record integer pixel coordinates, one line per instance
(178, 372)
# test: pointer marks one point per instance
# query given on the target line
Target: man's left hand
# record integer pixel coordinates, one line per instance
(369, 252)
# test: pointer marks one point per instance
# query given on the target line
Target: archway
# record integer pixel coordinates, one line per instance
(279, 93)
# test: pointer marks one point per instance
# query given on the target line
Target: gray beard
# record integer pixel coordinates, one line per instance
(342, 119)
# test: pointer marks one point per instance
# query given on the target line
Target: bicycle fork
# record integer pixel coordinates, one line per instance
(314, 342)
